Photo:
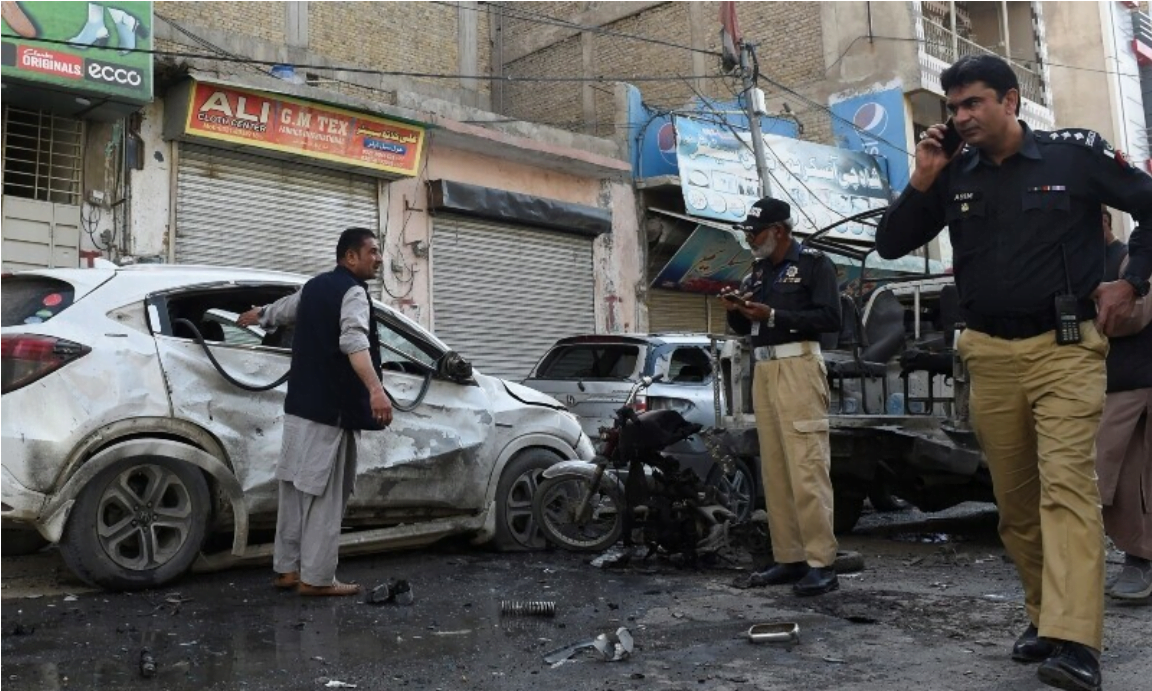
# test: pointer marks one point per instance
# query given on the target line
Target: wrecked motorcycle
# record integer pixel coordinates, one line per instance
(636, 490)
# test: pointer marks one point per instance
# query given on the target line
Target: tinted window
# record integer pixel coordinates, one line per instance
(590, 361)
(34, 299)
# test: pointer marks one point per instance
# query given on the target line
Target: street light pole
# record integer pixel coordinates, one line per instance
(754, 120)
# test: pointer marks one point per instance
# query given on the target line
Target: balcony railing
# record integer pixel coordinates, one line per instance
(943, 44)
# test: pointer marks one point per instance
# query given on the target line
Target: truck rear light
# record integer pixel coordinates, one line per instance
(24, 358)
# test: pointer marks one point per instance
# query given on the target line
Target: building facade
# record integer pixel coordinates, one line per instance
(1102, 76)
(860, 76)
(274, 126)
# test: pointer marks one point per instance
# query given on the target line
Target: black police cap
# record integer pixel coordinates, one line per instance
(764, 213)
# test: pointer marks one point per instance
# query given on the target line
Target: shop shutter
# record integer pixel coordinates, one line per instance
(673, 311)
(503, 294)
(249, 211)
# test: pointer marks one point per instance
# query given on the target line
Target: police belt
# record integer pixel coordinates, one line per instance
(1015, 328)
(785, 350)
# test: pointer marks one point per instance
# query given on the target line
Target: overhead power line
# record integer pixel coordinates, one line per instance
(384, 73)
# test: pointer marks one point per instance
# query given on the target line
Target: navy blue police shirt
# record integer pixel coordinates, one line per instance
(802, 290)
(1014, 226)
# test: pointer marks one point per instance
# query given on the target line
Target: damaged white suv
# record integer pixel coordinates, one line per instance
(124, 443)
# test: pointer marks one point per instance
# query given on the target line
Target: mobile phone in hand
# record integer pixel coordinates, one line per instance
(952, 139)
(733, 297)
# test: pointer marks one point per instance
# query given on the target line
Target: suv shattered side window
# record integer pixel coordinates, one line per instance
(590, 361)
(689, 366)
(34, 299)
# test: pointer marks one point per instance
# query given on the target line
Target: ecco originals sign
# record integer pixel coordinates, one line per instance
(108, 49)
(289, 125)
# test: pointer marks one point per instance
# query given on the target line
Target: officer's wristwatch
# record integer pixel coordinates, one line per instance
(1139, 284)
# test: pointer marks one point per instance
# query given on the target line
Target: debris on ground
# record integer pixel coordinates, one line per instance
(147, 664)
(612, 647)
(394, 591)
(538, 608)
(337, 684)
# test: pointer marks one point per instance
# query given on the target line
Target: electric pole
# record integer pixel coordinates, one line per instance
(754, 120)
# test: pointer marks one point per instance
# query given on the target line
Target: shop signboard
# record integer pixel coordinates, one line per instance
(709, 260)
(88, 47)
(823, 184)
(288, 125)
(874, 123)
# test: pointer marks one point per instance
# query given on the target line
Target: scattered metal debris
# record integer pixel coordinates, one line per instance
(780, 632)
(337, 684)
(616, 646)
(538, 608)
(833, 660)
(613, 647)
(397, 591)
(147, 664)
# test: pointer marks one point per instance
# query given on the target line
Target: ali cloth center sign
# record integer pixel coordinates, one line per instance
(86, 47)
(298, 127)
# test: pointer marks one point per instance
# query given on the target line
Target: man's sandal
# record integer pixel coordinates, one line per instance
(288, 580)
(336, 589)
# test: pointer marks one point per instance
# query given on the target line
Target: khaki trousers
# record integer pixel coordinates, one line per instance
(1035, 408)
(790, 396)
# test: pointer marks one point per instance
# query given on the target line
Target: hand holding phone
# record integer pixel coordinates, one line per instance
(734, 298)
(952, 139)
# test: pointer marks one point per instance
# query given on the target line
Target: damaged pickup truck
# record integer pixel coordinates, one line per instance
(124, 443)
(898, 414)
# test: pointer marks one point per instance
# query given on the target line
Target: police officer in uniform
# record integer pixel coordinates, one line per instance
(1023, 210)
(789, 299)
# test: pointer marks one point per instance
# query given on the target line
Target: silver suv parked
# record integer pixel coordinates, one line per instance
(593, 374)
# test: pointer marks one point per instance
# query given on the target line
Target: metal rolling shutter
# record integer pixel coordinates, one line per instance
(503, 294)
(236, 209)
(673, 311)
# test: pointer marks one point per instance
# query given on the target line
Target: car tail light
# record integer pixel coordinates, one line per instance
(640, 404)
(24, 358)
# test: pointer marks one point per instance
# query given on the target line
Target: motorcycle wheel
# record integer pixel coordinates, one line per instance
(555, 506)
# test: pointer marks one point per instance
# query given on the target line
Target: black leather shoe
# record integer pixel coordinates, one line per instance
(1031, 648)
(1073, 667)
(817, 582)
(779, 575)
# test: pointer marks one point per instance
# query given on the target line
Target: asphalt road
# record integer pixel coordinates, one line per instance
(937, 608)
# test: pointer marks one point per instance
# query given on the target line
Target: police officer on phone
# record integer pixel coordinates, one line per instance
(1023, 211)
(785, 303)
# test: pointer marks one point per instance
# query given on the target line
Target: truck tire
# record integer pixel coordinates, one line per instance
(516, 527)
(140, 523)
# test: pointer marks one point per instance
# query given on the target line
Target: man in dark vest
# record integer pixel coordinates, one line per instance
(334, 391)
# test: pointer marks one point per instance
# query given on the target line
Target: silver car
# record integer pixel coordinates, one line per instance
(593, 375)
(124, 443)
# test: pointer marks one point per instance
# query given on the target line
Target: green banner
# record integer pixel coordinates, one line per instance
(87, 47)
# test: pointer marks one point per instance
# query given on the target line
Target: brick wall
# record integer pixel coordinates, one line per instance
(790, 42)
(400, 36)
(262, 20)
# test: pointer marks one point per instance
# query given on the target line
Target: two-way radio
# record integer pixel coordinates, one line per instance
(1067, 317)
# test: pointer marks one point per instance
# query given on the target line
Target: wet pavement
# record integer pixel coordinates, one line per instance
(938, 607)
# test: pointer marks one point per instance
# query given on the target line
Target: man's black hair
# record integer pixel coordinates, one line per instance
(352, 239)
(990, 69)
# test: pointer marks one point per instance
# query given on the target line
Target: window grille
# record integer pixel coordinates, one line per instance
(43, 156)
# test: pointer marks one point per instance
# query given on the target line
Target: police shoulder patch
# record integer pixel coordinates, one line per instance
(1072, 135)
(811, 252)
